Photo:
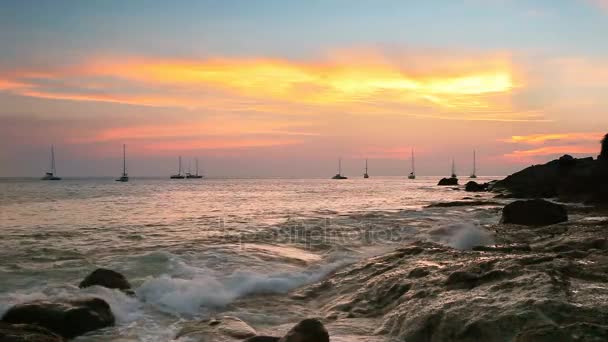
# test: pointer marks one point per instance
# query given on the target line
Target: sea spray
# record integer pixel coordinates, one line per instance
(463, 235)
(204, 290)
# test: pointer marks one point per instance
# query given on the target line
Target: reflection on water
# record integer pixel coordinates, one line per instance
(190, 247)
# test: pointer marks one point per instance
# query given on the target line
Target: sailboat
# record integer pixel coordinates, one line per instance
(50, 175)
(412, 174)
(124, 177)
(474, 174)
(454, 169)
(196, 175)
(179, 170)
(366, 175)
(339, 174)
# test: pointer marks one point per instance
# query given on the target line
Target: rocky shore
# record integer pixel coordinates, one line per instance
(543, 278)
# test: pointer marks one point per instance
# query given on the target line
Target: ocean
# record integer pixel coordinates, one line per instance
(194, 248)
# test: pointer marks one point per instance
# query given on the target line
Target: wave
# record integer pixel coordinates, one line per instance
(198, 290)
(462, 235)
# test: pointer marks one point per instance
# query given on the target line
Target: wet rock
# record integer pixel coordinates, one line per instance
(308, 330)
(26, 333)
(573, 332)
(224, 329)
(534, 213)
(68, 319)
(448, 181)
(473, 186)
(107, 278)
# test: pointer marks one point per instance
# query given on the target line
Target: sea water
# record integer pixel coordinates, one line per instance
(192, 248)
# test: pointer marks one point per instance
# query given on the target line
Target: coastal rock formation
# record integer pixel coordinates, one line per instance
(535, 212)
(448, 181)
(224, 329)
(604, 152)
(107, 278)
(473, 186)
(568, 178)
(538, 284)
(68, 319)
(26, 333)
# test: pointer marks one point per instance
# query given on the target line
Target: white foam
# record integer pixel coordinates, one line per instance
(465, 236)
(203, 289)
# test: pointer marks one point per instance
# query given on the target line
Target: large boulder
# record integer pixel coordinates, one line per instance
(224, 329)
(107, 278)
(473, 186)
(535, 212)
(448, 181)
(68, 319)
(26, 333)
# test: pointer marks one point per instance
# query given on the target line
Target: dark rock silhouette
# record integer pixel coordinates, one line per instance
(308, 330)
(68, 319)
(26, 333)
(107, 278)
(535, 212)
(473, 186)
(448, 181)
(604, 153)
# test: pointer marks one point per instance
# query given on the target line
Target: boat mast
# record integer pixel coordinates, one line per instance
(53, 160)
(339, 166)
(474, 164)
(124, 159)
(413, 163)
(196, 163)
(453, 168)
(179, 168)
(365, 165)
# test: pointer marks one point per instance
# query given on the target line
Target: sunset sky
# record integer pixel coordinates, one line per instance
(284, 88)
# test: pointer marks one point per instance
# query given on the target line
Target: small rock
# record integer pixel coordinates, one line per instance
(26, 333)
(68, 319)
(107, 278)
(473, 186)
(308, 330)
(448, 181)
(535, 212)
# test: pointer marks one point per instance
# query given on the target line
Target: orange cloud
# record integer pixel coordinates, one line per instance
(552, 150)
(475, 88)
(539, 139)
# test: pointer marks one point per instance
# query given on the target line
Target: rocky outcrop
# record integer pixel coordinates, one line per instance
(604, 152)
(224, 329)
(448, 181)
(68, 319)
(26, 333)
(567, 178)
(531, 286)
(536, 212)
(107, 278)
(473, 186)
